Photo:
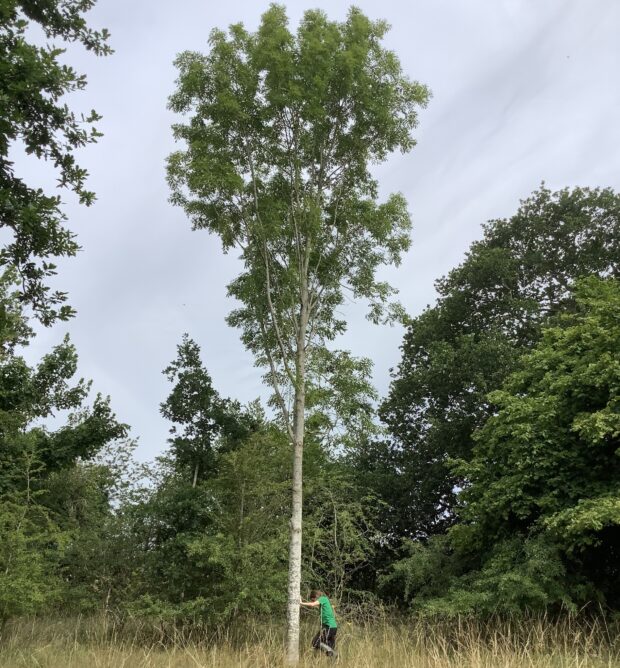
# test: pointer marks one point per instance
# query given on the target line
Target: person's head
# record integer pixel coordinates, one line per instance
(314, 594)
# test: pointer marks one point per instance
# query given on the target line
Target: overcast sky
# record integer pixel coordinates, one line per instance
(523, 91)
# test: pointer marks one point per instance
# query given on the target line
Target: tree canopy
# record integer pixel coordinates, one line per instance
(490, 310)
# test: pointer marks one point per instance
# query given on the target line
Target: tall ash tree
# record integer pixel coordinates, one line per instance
(281, 131)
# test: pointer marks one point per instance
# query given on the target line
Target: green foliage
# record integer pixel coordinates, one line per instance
(85, 502)
(208, 534)
(29, 579)
(555, 438)
(28, 395)
(48, 492)
(490, 311)
(218, 550)
(244, 557)
(33, 82)
(340, 536)
(421, 573)
(340, 399)
(28, 539)
(201, 419)
(517, 575)
(281, 133)
(160, 523)
(539, 514)
(34, 531)
(581, 526)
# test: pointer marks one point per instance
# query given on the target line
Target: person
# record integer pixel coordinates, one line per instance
(325, 639)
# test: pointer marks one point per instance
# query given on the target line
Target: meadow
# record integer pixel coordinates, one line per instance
(108, 643)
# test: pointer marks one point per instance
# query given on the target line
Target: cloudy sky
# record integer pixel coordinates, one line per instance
(523, 91)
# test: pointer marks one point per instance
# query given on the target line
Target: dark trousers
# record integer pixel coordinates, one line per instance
(327, 636)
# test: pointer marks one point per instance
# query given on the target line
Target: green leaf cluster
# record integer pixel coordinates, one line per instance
(51, 492)
(34, 116)
(490, 310)
(539, 526)
(281, 133)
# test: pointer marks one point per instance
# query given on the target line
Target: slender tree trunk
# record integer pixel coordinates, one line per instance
(195, 480)
(240, 541)
(294, 560)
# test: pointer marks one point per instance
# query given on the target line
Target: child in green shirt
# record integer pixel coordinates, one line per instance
(325, 639)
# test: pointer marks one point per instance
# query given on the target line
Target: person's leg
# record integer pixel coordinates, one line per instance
(331, 643)
(328, 641)
(316, 641)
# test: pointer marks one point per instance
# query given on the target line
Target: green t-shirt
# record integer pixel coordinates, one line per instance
(328, 618)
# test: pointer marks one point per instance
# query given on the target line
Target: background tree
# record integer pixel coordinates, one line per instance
(180, 508)
(43, 521)
(555, 450)
(199, 415)
(217, 552)
(86, 502)
(33, 82)
(29, 578)
(490, 310)
(540, 516)
(33, 530)
(340, 534)
(282, 130)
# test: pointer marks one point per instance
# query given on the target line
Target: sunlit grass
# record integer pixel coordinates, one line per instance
(104, 643)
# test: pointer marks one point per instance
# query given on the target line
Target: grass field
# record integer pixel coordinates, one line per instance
(101, 643)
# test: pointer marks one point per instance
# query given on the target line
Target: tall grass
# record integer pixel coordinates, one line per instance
(108, 643)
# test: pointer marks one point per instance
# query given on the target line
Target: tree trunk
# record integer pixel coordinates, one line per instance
(294, 559)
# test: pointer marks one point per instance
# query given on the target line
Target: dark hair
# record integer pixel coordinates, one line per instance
(314, 594)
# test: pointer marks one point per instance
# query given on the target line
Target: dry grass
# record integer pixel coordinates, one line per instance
(102, 643)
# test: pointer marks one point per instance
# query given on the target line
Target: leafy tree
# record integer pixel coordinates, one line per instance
(490, 310)
(213, 546)
(339, 526)
(548, 462)
(29, 579)
(540, 520)
(421, 573)
(54, 534)
(162, 521)
(200, 550)
(218, 551)
(33, 82)
(244, 555)
(200, 417)
(282, 130)
(32, 534)
(85, 502)
(181, 508)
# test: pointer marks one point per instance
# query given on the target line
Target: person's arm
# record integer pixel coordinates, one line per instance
(309, 604)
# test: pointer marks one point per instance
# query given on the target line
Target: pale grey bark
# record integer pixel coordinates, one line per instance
(294, 560)
(294, 563)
